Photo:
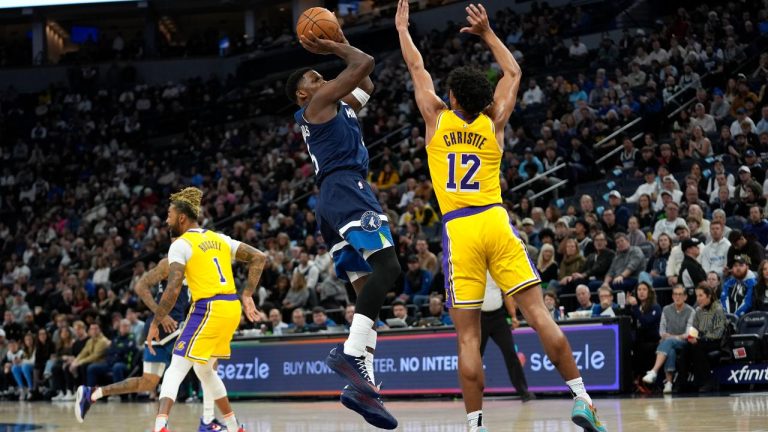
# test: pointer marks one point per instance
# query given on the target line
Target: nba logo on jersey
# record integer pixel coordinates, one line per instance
(370, 221)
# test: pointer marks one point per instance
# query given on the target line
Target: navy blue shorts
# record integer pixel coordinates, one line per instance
(163, 353)
(351, 221)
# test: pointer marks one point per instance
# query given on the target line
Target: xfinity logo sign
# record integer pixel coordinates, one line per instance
(749, 374)
(586, 359)
(244, 371)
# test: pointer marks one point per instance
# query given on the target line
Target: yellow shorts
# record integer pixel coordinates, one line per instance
(210, 325)
(480, 238)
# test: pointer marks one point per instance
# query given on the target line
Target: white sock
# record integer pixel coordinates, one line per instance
(208, 413)
(231, 422)
(369, 355)
(578, 390)
(358, 336)
(160, 422)
(475, 419)
(96, 395)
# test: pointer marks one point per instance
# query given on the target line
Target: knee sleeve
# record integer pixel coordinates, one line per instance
(154, 368)
(173, 377)
(386, 269)
(210, 381)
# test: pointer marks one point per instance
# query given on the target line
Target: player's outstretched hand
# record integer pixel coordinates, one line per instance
(169, 324)
(152, 335)
(401, 18)
(314, 44)
(250, 309)
(478, 20)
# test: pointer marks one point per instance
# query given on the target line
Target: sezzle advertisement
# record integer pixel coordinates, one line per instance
(409, 364)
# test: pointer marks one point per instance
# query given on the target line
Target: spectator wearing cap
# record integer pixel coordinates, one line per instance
(626, 265)
(622, 213)
(691, 272)
(669, 224)
(670, 186)
(676, 255)
(737, 126)
(746, 185)
(748, 249)
(720, 108)
(529, 229)
(416, 283)
(738, 289)
(649, 188)
(755, 167)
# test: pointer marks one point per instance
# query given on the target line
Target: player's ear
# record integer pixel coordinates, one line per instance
(301, 94)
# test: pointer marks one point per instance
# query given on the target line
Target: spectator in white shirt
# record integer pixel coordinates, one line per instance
(578, 50)
(533, 95)
(670, 224)
(704, 120)
(649, 188)
(736, 126)
(762, 125)
(714, 256)
(658, 53)
(668, 186)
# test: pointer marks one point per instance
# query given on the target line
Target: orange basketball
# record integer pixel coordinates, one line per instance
(321, 22)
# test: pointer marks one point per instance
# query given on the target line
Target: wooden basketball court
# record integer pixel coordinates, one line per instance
(738, 413)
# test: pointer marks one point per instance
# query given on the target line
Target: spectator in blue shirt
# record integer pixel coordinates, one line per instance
(738, 288)
(320, 320)
(417, 283)
(436, 312)
(606, 307)
(529, 158)
(756, 225)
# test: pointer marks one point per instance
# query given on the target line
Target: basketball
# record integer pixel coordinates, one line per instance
(321, 22)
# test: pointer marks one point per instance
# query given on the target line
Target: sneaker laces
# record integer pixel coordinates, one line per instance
(363, 368)
(369, 367)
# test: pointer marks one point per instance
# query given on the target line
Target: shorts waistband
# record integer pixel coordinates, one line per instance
(229, 297)
(466, 211)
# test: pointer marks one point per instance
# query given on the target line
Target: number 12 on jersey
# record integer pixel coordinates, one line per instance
(468, 160)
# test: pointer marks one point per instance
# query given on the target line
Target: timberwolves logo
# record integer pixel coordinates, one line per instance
(370, 221)
(180, 346)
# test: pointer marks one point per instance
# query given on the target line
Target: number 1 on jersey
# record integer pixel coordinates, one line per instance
(470, 160)
(222, 279)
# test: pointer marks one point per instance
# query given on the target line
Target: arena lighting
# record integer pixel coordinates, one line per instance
(10, 4)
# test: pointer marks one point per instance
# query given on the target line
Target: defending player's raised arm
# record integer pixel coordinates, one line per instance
(359, 66)
(256, 260)
(505, 95)
(426, 99)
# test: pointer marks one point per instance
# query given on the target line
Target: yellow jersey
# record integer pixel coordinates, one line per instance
(464, 161)
(207, 257)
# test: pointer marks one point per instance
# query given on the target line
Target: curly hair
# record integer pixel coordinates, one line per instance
(471, 89)
(292, 84)
(188, 201)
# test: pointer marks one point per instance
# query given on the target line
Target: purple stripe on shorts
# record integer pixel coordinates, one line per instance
(466, 211)
(447, 267)
(194, 320)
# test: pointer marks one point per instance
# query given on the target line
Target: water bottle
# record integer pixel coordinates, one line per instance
(562, 312)
(621, 298)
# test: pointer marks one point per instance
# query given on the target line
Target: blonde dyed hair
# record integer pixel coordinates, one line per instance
(190, 196)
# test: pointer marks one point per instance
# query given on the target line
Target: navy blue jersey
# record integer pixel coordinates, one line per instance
(178, 313)
(336, 145)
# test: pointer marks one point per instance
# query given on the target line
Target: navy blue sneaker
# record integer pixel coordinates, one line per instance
(372, 409)
(213, 426)
(353, 370)
(82, 402)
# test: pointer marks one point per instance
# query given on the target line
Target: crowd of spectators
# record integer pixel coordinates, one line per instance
(89, 166)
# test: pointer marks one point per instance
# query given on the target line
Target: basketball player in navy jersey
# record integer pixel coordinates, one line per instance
(349, 215)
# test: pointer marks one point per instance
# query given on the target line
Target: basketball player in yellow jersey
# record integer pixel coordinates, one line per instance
(464, 148)
(205, 259)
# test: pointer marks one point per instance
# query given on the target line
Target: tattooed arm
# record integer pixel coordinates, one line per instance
(172, 290)
(256, 260)
(150, 279)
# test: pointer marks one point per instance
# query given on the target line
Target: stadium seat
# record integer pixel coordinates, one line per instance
(750, 335)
